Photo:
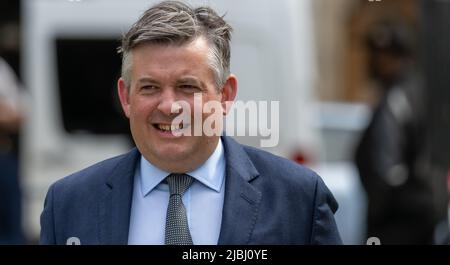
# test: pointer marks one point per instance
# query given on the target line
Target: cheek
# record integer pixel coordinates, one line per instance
(212, 105)
(142, 106)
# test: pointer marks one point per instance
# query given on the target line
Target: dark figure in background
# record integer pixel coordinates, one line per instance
(10, 196)
(400, 209)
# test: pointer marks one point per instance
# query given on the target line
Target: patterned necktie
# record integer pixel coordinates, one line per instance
(177, 229)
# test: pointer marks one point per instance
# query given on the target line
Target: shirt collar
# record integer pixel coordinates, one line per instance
(211, 173)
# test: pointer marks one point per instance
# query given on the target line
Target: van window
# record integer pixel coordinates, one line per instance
(88, 70)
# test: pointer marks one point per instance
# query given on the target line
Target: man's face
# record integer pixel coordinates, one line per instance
(386, 66)
(160, 76)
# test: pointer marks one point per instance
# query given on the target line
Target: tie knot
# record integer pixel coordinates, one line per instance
(178, 183)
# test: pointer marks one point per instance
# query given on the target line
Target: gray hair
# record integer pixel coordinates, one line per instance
(174, 22)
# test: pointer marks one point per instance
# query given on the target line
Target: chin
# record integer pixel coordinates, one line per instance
(173, 153)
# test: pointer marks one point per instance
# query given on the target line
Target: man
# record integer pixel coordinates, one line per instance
(181, 189)
(10, 193)
(391, 153)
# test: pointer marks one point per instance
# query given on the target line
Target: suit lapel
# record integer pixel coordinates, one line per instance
(242, 200)
(115, 203)
(240, 209)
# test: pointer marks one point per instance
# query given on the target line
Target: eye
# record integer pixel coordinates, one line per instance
(149, 88)
(188, 87)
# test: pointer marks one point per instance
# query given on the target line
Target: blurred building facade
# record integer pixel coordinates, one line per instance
(343, 63)
(342, 57)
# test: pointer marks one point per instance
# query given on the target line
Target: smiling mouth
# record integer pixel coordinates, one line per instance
(168, 127)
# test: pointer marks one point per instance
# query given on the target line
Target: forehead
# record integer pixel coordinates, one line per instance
(192, 54)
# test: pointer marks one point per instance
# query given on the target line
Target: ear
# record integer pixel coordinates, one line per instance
(124, 96)
(229, 92)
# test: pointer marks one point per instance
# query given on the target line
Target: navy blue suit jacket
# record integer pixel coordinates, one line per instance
(268, 200)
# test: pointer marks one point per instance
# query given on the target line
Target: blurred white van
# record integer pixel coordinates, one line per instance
(70, 67)
(341, 126)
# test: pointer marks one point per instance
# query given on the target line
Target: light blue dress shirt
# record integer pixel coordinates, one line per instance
(203, 202)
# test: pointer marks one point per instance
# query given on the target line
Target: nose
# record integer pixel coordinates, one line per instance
(166, 101)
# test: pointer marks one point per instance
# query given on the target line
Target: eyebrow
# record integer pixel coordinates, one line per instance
(146, 80)
(189, 80)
